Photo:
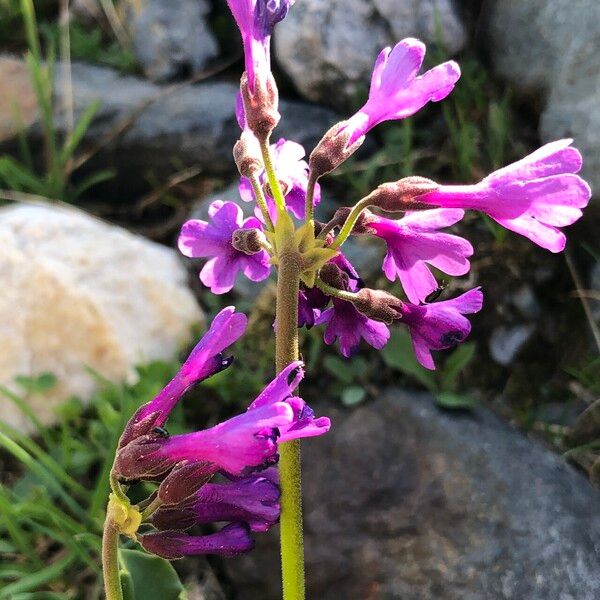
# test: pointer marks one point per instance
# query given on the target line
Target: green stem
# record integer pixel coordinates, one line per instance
(276, 192)
(331, 291)
(151, 508)
(350, 222)
(290, 477)
(261, 201)
(110, 560)
(310, 194)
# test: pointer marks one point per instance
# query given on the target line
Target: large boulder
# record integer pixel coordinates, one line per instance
(78, 294)
(143, 128)
(329, 48)
(172, 39)
(547, 50)
(403, 500)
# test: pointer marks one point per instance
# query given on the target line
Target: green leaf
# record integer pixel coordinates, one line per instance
(338, 368)
(148, 577)
(454, 364)
(398, 354)
(353, 395)
(38, 384)
(453, 401)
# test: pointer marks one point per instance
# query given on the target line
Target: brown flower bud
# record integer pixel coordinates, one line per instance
(261, 105)
(402, 194)
(142, 459)
(183, 481)
(333, 276)
(247, 156)
(332, 150)
(379, 305)
(248, 241)
(362, 224)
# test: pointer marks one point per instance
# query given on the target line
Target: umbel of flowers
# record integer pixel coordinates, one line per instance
(245, 472)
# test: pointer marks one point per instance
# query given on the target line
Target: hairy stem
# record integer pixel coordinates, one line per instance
(310, 194)
(286, 344)
(265, 149)
(261, 201)
(331, 291)
(110, 560)
(350, 222)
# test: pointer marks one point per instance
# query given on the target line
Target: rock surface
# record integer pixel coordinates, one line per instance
(79, 293)
(329, 48)
(18, 104)
(172, 39)
(547, 49)
(405, 501)
(189, 125)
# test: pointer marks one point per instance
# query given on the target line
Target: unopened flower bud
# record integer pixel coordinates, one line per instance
(184, 480)
(142, 459)
(332, 150)
(362, 223)
(402, 194)
(248, 241)
(247, 156)
(379, 305)
(333, 276)
(261, 105)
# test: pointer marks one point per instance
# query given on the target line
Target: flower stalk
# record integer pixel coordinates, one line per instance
(110, 559)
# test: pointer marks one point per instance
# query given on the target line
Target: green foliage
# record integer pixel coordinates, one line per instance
(350, 377)
(54, 491)
(146, 577)
(91, 45)
(59, 151)
(442, 383)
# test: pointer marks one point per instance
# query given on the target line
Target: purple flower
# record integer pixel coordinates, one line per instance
(253, 500)
(231, 540)
(310, 303)
(292, 172)
(256, 20)
(239, 445)
(205, 360)
(213, 240)
(397, 91)
(344, 323)
(413, 242)
(440, 325)
(533, 197)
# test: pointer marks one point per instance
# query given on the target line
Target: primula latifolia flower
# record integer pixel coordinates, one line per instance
(414, 241)
(253, 500)
(236, 448)
(256, 20)
(344, 323)
(242, 444)
(173, 544)
(397, 91)
(533, 196)
(440, 325)
(292, 172)
(213, 239)
(205, 360)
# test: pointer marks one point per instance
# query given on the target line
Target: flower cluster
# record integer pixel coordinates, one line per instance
(242, 451)
(534, 197)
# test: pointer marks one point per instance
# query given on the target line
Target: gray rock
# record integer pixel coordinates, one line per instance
(547, 49)
(329, 48)
(573, 107)
(506, 342)
(528, 39)
(405, 501)
(172, 39)
(169, 128)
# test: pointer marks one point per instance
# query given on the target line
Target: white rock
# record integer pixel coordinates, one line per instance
(78, 293)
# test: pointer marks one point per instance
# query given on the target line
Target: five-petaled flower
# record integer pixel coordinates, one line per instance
(213, 239)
